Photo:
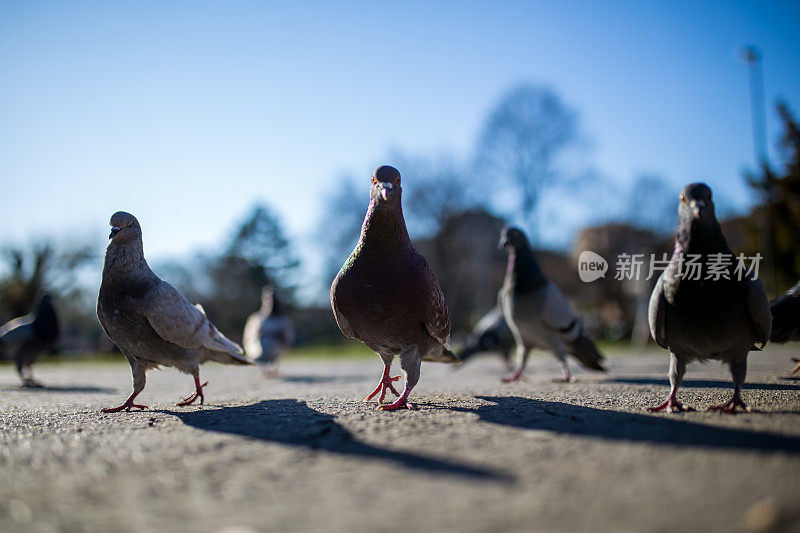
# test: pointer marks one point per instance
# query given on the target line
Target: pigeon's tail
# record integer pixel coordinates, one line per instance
(230, 359)
(468, 351)
(785, 319)
(586, 352)
(226, 351)
(441, 354)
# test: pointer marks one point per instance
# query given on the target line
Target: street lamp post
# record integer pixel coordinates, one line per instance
(752, 57)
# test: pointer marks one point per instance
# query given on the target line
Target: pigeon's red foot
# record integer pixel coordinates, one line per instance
(795, 369)
(672, 405)
(198, 393)
(516, 375)
(127, 406)
(730, 407)
(383, 384)
(399, 403)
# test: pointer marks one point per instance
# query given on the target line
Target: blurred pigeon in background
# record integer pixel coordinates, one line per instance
(387, 296)
(267, 333)
(786, 319)
(538, 314)
(30, 335)
(697, 317)
(490, 334)
(149, 320)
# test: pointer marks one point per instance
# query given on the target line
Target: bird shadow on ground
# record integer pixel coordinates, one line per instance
(87, 389)
(704, 383)
(321, 379)
(571, 419)
(294, 423)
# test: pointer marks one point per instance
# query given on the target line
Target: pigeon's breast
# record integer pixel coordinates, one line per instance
(384, 306)
(710, 322)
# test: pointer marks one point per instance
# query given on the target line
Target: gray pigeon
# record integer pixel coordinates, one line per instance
(490, 334)
(149, 320)
(538, 314)
(786, 319)
(387, 296)
(30, 335)
(697, 317)
(267, 333)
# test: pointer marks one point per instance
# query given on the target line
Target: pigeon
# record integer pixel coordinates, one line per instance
(387, 296)
(490, 334)
(267, 333)
(786, 319)
(30, 335)
(150, 321)
(718, 313)
(538, 314)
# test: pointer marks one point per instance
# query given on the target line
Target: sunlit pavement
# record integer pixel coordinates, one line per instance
(303, 453)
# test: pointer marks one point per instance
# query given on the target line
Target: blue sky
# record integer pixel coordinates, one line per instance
(186, 113)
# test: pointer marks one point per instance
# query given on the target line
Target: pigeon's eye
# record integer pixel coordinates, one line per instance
(683, 198)
(374, 180)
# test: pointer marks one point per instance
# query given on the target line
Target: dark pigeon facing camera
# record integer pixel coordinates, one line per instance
(702, 319)
(387, 296)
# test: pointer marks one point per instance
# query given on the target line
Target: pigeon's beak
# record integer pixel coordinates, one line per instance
(114, 231)
(503, 242)
(697, 207)
(385, 190)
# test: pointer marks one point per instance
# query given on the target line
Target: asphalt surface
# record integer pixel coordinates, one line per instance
(303, 453)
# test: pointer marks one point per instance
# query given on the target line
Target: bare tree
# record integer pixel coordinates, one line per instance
(651, 204)
(435, 189)
(37, 267)
(522, 141)
(261, 240)
(340, 223)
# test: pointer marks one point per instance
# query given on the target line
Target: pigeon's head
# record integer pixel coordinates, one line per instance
(695, 203)
(267, 298)
(512, 237)
(124, 227)
(386, 186)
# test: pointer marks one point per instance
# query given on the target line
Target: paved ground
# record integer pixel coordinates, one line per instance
(304, 454)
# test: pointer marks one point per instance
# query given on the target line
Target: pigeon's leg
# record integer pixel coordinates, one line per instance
(795, 369)
(26, 373)
(198, 393)
(138, 385)
(384, 383)
(566, 377)
(508, 362)
(522, 356)
(677, 367)
(739, 372)
(410, 362)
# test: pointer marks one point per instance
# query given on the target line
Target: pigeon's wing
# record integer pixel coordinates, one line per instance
(179, 322)
(437, 315)
(758, 306)
(786, 316)
(16, 331)
(656, 313)
(341, 321)
(557, 316)
(491, 321)
(101, 317)
(344, 325)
